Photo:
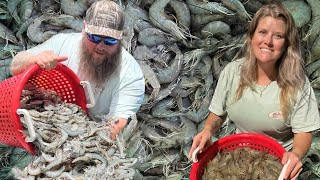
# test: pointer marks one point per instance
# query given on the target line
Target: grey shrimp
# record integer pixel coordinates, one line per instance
(206, 7)
(157, 17)
(202, 19)
(215, 28)
(162, 94)
(133, 14)
(130, 128)
(24, 26)
(202, 43)
(67, 21)
(151, 78)
(36, 33)
(183, 103)
(188, 131)
(154, 36)
(162, 109)
(25, 10)
(7, 34)
(142, 53)
(193, 57)
(141, 25)
(170, 73)
(182, 12)
(237, 7)
(181, 92)
(315, 53)
(313, 66)
(200, 114)
(136, 12)
(72, 7)
(314, 29)
(189, 81)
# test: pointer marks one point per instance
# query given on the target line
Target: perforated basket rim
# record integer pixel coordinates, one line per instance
(196, 167)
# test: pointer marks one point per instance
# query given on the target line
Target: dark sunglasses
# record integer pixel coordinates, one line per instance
(97, 39)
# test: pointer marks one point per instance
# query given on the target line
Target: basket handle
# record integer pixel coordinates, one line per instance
(87, 86)
(283, 171)
(28, 119)
(194, 155)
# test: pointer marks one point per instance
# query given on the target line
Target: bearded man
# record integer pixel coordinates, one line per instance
(96, 56)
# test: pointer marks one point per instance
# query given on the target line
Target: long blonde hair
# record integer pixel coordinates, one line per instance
(290, 72)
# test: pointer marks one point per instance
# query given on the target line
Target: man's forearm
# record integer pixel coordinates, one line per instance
(20, 62)
(301, 144)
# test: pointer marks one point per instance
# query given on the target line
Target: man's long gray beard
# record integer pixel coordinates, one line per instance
(98, 73)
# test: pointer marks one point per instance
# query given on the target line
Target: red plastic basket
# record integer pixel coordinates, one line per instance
(60, 79)
(255, 141)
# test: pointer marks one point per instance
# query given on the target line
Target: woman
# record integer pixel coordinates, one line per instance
(267, 91)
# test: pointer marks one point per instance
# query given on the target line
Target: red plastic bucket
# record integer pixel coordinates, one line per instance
(60, 79)
(252, 140)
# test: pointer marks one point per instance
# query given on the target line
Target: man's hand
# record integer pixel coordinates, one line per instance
(48, 59)
(117, 127)
(24, 59)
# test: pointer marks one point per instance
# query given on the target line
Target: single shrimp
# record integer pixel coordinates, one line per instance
(170, 73)
(315, 50)
(252, 5)
(203, 19)
(7, 34)
(132, 14)
(36, 33)
(237, 6)
(163, 93)
(73, 8)
(182, 13)
(12, 7)
(193, 57)
(136, 12)
(67, 21)
(311, 67)
(151, 78)
(202, 43)
(189, 81)
(25, 10)
(215, 28)
(24, 26)
(206, 7)
(314, 29)
(141, 25)
(155, 37)
(198, 115)
(158, 18)
(163, 109)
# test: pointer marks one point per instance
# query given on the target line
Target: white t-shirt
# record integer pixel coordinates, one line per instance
(260, 112)
(120, 96)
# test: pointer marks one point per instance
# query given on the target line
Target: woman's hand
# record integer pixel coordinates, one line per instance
(48, 59)
(201, 140)
(301, 145)
(294, 167)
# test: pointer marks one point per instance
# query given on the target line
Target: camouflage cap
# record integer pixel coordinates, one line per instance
(105, 18)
